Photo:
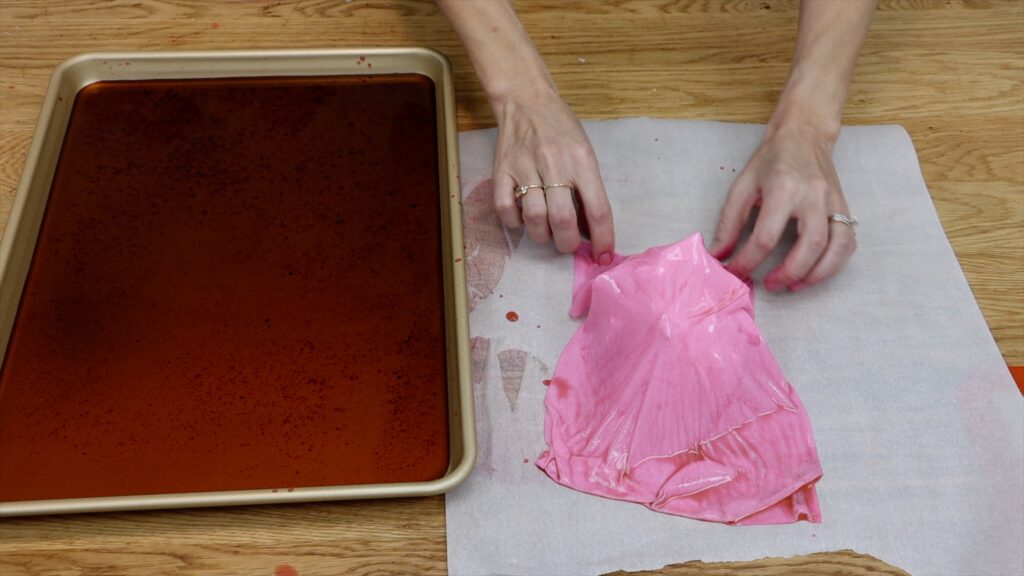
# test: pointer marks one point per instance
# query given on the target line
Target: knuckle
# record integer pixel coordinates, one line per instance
(563, 219)
(845, 243)
(763, 241)
(582, 154)
(851, 245)
(504, 203)
(567, 243)
(548, 150)
(599, 214)
(782, 184)
(817, 185)
(538, 234)
(534, 213)
(817, 241)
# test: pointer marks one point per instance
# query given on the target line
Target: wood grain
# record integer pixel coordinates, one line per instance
(950, 71)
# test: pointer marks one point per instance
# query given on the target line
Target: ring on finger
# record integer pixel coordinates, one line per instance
(850, 221)
(522, 190)
(559, 185)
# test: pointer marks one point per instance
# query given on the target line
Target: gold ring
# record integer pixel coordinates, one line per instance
(559, 185)
(522, 190)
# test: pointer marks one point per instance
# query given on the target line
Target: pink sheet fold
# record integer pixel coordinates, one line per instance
(668, 396)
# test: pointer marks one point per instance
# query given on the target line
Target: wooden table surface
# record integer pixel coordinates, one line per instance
(950, 71)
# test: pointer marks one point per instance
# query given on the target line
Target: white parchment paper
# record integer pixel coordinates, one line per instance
(919, 426)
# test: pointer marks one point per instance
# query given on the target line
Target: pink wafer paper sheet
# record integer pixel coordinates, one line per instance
(667, 395)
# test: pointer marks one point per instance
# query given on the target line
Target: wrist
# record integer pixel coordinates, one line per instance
(811, 109)
(524, 80)
(520, 92)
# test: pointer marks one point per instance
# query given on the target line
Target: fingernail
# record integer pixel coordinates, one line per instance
(604, 259)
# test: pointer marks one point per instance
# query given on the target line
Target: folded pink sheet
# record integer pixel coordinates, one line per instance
(668, 396)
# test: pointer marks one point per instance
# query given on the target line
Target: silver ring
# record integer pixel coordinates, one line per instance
(850, 221)
(522, 190)
(559, 185)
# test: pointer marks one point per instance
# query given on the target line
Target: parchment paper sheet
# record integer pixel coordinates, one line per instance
(919, 425)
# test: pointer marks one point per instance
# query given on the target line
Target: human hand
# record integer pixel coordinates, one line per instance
(790, 176)
(540, 141)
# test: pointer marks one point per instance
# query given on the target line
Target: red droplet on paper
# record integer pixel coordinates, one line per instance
(526, 460)
(547, 382)
(512, 316)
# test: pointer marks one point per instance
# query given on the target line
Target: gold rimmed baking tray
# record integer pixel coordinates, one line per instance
(34, 209)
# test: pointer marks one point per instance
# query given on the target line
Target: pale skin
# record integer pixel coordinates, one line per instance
(791, 175)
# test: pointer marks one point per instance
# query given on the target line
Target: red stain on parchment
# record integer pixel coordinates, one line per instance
(512, 364)
(488, 244)
(478, 349)
(512, 316)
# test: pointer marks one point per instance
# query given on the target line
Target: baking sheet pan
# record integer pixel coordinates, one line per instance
(109, 72)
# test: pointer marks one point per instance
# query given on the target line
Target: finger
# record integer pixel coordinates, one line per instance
(504, 197)
(562, 217)
(771, 222)
(535, 210)
(597, 211)
(735, 212)
(812, 231)
(841, 245)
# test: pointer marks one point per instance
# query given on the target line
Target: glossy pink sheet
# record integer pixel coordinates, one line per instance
(668, 396)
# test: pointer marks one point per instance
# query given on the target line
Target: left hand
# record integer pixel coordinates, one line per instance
(790, 176)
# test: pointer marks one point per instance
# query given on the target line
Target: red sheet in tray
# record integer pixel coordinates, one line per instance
(237, 285)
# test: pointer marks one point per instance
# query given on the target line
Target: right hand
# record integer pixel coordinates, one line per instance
(540, 141)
